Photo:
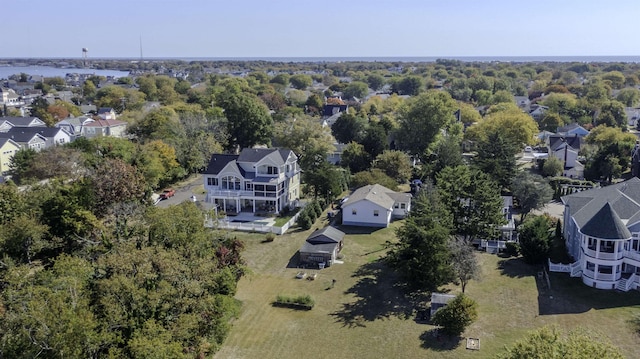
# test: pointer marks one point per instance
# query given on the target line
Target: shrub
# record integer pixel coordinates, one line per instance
(311, 212)
(304, 301)
(269, 237)
(316, 208)
(304, 221)
(512, 249)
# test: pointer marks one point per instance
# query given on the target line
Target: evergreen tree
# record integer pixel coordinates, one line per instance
(421, 255)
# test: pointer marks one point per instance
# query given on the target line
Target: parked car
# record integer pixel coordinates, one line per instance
(167, 193)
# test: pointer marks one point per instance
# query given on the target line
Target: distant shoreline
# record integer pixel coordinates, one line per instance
(316, 59)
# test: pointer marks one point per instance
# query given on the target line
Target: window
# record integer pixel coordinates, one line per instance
(272, 170)
(396, 205)
(376, 213)
(354, 211)
(403, 205)
(212, 181)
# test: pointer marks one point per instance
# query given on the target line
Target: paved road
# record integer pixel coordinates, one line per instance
(184, 192)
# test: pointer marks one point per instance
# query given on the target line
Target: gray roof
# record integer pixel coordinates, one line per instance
(44, 131)
(21, 137)
(557, 141)
(606, 225)
(19, 121)
(218, 162)
(326, 235)
(318, 248)
(373, 193)
(257, 154)
(602, 211)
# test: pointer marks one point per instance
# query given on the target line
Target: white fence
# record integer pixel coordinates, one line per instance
(251, 226)
(559, 267)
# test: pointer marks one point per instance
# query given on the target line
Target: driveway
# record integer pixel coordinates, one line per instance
(554, 208)
(184, 192)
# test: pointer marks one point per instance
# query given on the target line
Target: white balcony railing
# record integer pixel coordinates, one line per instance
(601, 276)
(603, 255)
(632, 255)
(230, 193)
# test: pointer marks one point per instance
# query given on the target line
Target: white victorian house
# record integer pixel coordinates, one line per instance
(256, 180)
(375, 206)
(602, 234)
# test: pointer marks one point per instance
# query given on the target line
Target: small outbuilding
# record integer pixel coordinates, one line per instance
(439, 300)
(322, 247)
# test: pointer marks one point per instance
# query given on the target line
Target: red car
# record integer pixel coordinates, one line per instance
(169, 192)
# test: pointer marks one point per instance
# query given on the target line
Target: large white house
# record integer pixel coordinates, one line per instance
(256, 180)
(602, 234)
(375, 206)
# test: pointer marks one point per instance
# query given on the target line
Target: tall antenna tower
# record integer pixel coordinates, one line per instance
(140, 48)
(85, 53)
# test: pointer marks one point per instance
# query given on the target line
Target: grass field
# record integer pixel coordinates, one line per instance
(366, 314)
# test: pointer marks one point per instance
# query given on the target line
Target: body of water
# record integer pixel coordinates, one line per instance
(421, 59)
(47, 71)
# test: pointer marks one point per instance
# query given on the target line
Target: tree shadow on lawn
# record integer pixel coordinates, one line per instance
(569, 295)
(433, 340)
(378, 296)
(566, 295)
(517, 268)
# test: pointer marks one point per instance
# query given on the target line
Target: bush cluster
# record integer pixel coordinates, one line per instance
(309, 214)
(300, 301)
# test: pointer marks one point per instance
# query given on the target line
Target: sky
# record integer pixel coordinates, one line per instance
(329, 28)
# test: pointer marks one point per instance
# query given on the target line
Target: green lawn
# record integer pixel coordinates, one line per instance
(367, 316)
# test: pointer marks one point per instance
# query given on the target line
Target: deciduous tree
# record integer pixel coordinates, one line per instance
(457, 315)
(532, 192)
(422, 120)
(551, 343)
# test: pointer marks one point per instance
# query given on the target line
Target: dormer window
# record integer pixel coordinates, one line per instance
(272, 170)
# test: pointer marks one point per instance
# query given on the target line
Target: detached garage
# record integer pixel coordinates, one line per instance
(322, 246)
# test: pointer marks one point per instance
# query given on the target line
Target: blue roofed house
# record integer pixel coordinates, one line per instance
(375, 206)
(257, 180)
(602, 234)
(572, 130)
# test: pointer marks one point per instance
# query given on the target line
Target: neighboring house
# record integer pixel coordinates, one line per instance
(602, 234)
(572, 130)
(322, 246)
(523, 102)
(32, 140)
(74, 125)
(537, 111)
(53, 136)
(375, 206)
(335, 156)
(329, 121)
(88, 109)
(566, 149)
(258, 180)
(635, 159)
(8, 148)
(333, 106)
(633, 115)
(107, 113)
(507, 230)
(8, 97)
(100, 127)
(8, 122)
(543, 136)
